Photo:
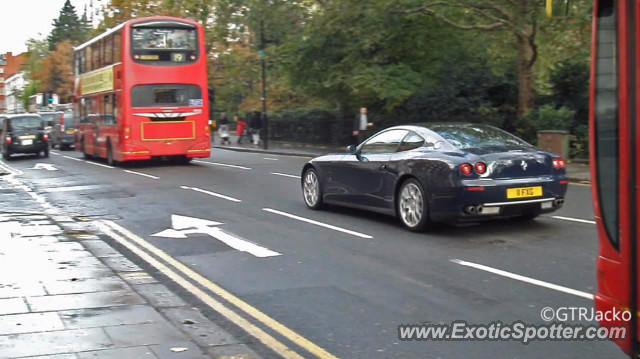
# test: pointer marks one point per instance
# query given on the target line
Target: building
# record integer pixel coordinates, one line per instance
(9, 65)
(14, 87)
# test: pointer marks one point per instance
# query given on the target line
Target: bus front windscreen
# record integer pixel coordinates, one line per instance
(164, 44)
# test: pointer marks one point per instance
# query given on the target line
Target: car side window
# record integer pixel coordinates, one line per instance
(385, 142)
(410, 142)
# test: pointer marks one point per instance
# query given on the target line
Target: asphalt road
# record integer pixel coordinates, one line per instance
(345, 289)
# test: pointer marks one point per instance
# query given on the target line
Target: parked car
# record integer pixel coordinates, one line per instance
(439, 172)
(24, 133)
(63, 131)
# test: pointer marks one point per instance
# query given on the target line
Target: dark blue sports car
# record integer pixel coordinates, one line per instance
(439, 172)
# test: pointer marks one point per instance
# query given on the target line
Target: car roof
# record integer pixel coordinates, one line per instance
(14, 115)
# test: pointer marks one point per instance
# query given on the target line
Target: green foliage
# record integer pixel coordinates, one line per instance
(68, 26)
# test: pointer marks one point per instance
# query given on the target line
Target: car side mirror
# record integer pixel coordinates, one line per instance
(352, 149)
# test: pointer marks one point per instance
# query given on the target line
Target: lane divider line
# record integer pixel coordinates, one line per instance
(320, 224)
(285, 175)
(118, 233)
(222, 164)
(574, 219)
(214, 194)
(55, 153)
(142, 174)
(271, 159)
(524, 279)
(98, 164)
(71, 188)
(73, 158)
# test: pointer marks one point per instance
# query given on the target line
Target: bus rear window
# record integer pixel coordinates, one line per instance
(166, 95)
(164, 44)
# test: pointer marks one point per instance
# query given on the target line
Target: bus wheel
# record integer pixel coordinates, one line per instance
(110, 160)
(84, 150)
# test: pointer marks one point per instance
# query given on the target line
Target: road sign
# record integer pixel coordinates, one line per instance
(183, 226)
(44, 166)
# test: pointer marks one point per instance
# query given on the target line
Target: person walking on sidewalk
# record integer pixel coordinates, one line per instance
(223, 129)
(361, 126)
(241, 130)
(256, 126)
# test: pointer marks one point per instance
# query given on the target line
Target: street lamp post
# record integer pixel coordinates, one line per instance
(265, 119)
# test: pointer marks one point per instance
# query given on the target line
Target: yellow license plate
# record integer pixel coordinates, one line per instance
(70, 132)
(524, 192)
(30, 137)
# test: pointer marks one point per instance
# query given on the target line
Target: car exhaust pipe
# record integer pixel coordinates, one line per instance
(479, 209)
(558, 202)
(471, 210)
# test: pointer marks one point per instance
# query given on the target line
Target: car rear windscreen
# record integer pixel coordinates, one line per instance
(25, 123)
(166, 95)
(475, 136)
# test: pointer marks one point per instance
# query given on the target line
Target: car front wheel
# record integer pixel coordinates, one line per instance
(411, 206)
(311, 190)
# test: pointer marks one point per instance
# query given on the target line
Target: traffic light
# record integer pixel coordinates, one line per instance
(50, 98)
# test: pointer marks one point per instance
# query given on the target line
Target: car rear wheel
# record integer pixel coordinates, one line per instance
(6, 155)
(311, 190)
(45, 152)
(412, 206)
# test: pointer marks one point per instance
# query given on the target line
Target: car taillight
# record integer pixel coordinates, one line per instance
(480, 168)
(45, 137)
(466, 169)
(559, 163)
(61, 122)
(7, 140)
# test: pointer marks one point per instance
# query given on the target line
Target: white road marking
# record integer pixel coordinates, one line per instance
(285, 175)
(320, 224)
(142, 174)
(574, 219)
(144, 250)
(55, 153)
(71, 188)
(72, 158)
(222, 164)
(521, 278)
(270, 159)
(44, 166)
(214, 194)
(183, 225)
(98, 164)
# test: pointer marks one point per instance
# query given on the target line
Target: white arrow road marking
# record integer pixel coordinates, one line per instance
(184, 222)
(183, 225)
(214, 194)
(285, 175)
(522, 278)
(302, 219)
(44, 166)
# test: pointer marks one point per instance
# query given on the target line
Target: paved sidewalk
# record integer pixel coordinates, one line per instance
(576, 172)
(66, 294)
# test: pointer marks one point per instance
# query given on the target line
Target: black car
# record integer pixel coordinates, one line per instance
(62, 134)
(440, 172)
(23, 133)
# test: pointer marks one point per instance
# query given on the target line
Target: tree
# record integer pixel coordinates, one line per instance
(55, 74)
(67, 27)
(518, 17)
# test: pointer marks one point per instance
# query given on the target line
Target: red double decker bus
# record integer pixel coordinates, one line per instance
(141, 92)
(615, 160)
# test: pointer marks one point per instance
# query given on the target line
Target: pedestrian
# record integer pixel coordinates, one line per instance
(223, 129)
(361, 126)
(256, 127)
(241, 130)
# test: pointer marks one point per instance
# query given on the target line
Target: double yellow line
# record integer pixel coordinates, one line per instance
(144, 249)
